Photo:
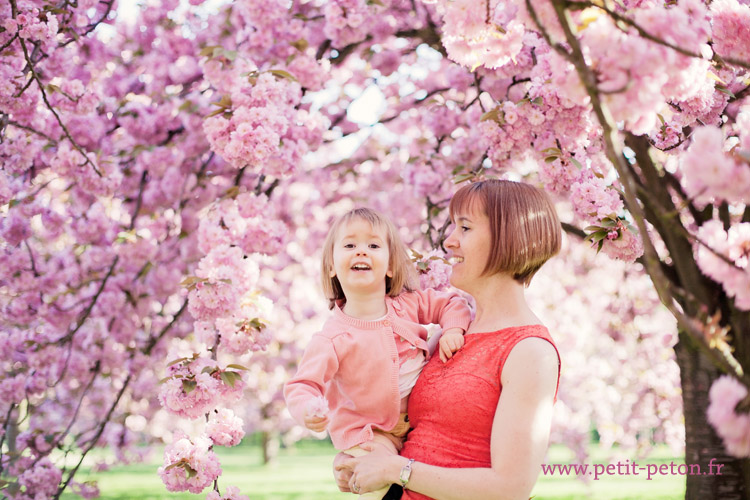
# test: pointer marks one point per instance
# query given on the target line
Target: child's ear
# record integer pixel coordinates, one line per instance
(389, 273)
(332, 273)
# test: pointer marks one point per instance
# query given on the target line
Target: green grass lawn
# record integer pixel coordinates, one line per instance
(304, 473)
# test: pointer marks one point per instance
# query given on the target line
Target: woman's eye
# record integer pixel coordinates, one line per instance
(464, 228)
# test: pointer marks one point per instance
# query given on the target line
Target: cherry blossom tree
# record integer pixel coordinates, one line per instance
(167, 180)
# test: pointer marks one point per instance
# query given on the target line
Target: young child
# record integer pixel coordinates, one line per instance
(368, 356)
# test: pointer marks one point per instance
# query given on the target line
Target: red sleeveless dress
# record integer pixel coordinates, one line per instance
(452, 406)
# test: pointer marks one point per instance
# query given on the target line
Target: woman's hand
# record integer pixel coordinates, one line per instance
(341, 474)
(373, 471)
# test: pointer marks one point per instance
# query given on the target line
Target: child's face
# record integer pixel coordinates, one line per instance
(360, 258)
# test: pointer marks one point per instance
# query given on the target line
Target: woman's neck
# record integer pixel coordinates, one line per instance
(501, 303)
(365, 307)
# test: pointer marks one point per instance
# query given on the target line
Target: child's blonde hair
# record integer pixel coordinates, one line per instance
(404, 274)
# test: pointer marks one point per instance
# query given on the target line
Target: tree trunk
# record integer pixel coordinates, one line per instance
(701, 442)
(270, 447)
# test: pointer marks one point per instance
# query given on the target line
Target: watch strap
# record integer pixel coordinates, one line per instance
(406, 472)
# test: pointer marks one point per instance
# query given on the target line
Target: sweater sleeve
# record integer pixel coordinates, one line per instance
(317, 367)
(448, 309)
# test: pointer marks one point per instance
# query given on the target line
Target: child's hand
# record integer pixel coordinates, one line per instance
(316, 414)
(315, 423)
(451, 341)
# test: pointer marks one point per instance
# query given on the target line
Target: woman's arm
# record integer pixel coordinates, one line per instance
(520, 436)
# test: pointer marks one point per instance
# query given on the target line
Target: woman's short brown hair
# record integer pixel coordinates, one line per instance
(525, 230)
(404, 273)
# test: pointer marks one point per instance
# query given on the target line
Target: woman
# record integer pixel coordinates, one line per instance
(481, 421)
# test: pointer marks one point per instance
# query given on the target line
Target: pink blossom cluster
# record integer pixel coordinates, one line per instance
(724, 256)
(637, 93)
(189, 465)
(347, 21)
(434, 271)
(424, 178)
(244, 329)
(730, 20)
(33, 25)
(731, 424)
(710, 173)
(230, 493)
(36, 481)
(193, 387)
(473, 38)
(224, 428)
(261, 118)
(594, 199)
(623, 244)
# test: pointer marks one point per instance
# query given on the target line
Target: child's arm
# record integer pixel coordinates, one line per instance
(303, 392)
(448, 309)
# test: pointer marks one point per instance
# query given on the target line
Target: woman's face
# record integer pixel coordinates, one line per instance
(469, 245)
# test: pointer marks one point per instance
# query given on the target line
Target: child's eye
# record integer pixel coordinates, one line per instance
(349, 245)
(374, 245)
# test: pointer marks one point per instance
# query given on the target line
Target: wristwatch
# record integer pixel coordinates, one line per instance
(406, 472)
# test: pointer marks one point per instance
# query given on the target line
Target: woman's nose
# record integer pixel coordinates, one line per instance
(451, 241)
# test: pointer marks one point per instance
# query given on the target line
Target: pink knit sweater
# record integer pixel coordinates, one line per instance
(354, 363)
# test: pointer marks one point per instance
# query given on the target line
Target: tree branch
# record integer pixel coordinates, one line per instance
(36, 78)
(645, 34)
(614, 153)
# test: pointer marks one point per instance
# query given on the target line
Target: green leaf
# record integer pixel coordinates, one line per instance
(598, 236)
(415, 254)
(230, 378)
(126, 236)
(238, 367)
(300, 44)
(283, 74)
(210, 370)
(257, 324)
(538, 101)
(188, 386)
(423, 266)
(179, 360)
(494, 115)
(462, 178)
(190, 471)
(191, 281)
(552, 151)
(232, 192)
(4, 484)
(725, 90)
(576, 163)
(550, 159)
(744, 154)
(209, 50)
